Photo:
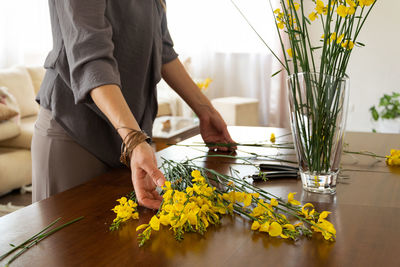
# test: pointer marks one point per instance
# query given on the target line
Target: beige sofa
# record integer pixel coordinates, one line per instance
(16, 134)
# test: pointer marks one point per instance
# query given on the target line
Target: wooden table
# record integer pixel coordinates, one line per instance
(365, 211)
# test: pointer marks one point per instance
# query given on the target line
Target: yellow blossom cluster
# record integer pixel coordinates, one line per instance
(394, 158)
(203, 85)
(269, 221)
(198, 205)
(347, 44)
(192, 210)
(125, 210)
(344, 9)
(275, 224)
(272, 138)
(280, 16)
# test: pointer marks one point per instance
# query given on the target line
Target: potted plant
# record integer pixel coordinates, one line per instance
(386, 117)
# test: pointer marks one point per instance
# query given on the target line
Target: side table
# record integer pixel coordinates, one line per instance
(173, 129)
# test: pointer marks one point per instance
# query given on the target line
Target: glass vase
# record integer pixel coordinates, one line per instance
(318, 111)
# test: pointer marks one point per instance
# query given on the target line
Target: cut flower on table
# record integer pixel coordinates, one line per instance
(192, 204)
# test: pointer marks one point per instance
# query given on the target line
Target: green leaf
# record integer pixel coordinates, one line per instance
(374, 113)
(317, 47)
(360, 44)
(373, 130)
(308, 21)
(276, 73)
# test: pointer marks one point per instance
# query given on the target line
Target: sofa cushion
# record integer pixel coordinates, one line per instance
(16, 169)
(24, 139)
(8, 129)
(19, 84)
(37, 75)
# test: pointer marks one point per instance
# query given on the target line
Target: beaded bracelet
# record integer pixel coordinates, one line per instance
(130, 142)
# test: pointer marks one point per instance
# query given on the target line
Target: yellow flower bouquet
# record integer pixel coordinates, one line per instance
(317, 80)
(192, 204)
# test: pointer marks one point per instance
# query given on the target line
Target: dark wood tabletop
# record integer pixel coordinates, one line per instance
(365, 212)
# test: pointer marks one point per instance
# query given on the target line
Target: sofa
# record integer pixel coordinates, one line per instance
(18, 87)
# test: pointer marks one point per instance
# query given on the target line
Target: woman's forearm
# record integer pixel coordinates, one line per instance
(178, 79)
(111, 102)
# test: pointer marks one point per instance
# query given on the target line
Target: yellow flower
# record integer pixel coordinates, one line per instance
(247, 200)
(351, 10)
(189, 190)
(167, 185)
(290, 52)
(348, 45)
(154, 223)
(255, 225)
(272, 138)
(281, 25)
(192, 218)
(122, 200)
(340, 39)
(342, 11)
(351, 3)
(196, 173)
(333, 37)
(327, 229)
(165, 219)
(320, 7)
(394, 158)
(277, 11)
(274, 202)
(275, 229)
(296, 5)
(313, 16)
(230, 183)
(291, 199)
(324, 214)
(140, 227)
(239, 196)
(363, 3)
(305, 211)
(264, 227)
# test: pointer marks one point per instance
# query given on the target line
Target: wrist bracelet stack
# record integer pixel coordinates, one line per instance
(130, 142)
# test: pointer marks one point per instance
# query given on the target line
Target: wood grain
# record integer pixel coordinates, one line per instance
(365, 211)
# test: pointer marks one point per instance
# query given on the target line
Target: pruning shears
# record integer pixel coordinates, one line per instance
(275, 171)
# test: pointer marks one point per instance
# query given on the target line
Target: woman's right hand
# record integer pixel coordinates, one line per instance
(146, 176)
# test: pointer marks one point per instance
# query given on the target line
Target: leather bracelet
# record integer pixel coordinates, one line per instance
(130, 142)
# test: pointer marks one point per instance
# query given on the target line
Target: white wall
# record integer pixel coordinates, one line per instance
(374, 69)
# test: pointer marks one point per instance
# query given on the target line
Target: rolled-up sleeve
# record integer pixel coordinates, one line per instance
(87, 37)
(168, 52)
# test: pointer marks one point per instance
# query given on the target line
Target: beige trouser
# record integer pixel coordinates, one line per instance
(58, 162)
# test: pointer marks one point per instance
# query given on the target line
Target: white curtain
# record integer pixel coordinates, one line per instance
(222, 46)
(25, 32)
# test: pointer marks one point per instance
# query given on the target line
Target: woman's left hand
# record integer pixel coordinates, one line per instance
(213, 129)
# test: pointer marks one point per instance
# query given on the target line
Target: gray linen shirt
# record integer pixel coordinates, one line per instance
(98, 42)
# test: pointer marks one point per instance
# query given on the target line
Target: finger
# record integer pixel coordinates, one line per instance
(156, 195)
(155, 174)
(150, 203)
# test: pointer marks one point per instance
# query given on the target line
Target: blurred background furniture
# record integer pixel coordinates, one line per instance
(239, 111)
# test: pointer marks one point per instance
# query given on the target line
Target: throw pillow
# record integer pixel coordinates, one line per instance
(9, 122)
(19, 84)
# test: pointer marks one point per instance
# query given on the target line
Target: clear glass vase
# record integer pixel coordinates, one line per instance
(318, 111)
